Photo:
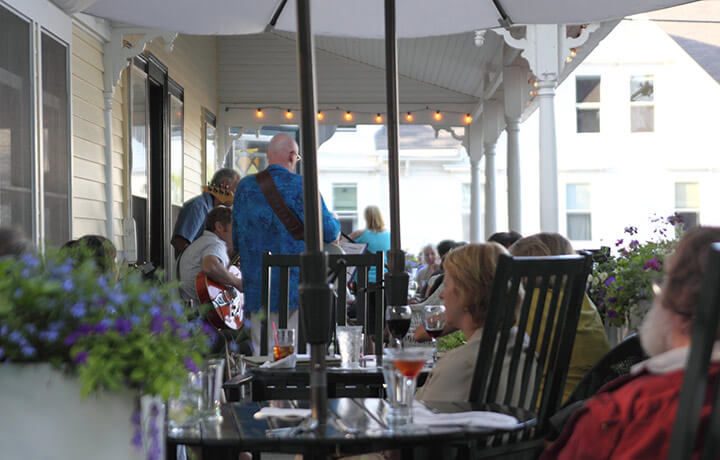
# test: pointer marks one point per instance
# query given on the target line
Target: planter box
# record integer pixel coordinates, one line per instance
(43, 417)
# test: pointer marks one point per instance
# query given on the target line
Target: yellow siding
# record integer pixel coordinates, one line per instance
(89, 176)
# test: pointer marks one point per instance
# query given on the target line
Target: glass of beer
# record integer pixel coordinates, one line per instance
(285, 344)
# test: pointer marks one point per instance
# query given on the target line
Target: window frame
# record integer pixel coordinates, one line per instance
(208, 118)
(634, 104)
(688, 210)
(44, 17)
(588, 105)
(578, 212)
(344, 214)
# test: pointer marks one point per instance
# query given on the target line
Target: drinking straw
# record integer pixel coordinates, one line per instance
(277, 342)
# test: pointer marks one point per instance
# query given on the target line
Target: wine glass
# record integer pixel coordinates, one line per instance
(434, 320)
(412, 288)
(398, 321)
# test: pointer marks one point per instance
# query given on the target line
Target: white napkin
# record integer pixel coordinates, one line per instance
(287, 362)
(477, 419)
(282, 412)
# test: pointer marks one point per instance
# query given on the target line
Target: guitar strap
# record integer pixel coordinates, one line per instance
(275, 200)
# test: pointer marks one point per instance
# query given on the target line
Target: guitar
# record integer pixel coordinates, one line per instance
(223, 194)
(226, 302)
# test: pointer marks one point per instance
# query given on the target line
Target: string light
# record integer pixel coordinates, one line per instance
(437, 115)
(568, 59)
(320, 115)
(259, 113)
(535, 84)
(532, 93)
(409, 116)
(289, 114)
(378, 118)
(468, 118)
(348, 116)
(573, 52)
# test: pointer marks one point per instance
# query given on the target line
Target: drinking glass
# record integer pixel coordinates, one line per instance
(184, 409)
(350, 342)
(401, 367)
(213, 389)
(398, 318)
(285, 345)
(412, 288)
(434, 320)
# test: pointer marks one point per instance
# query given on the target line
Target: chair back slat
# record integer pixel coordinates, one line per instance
(694, 390)
(281, 265)
(549, 313)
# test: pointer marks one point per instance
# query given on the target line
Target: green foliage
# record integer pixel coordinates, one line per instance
(619, 283)
(450, 341)
(114, 331)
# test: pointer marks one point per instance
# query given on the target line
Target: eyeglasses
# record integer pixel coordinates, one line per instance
(298, 156)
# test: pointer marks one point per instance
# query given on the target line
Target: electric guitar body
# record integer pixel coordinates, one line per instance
(226, 302)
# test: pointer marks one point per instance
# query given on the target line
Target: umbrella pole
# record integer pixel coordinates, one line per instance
(314, 291)
(396, 280)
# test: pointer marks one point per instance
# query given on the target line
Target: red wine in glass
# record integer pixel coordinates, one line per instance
(434, 333)
(398, 327)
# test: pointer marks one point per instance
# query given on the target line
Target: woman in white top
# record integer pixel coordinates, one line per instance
(469, 275)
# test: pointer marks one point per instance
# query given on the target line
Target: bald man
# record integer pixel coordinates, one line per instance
(257, 229)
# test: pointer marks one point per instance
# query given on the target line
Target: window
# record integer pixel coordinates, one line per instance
(687, 203)
(34, 173)
(587, 104)
(579, 221)
(345, 206)
(211, 159)
(642, 108)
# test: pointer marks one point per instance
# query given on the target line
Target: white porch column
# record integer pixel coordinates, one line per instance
(548, 158)
(490, 196)
(475, 152)
(513, 174)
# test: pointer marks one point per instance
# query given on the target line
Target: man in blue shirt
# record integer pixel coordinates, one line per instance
(191, 220)
(256, 230)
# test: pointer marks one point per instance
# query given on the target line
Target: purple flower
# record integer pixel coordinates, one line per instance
(612, 300)
(102, 282)
(3, 329)
(157, 324)
(190, 365)
(30, 260)
(111, 309)
(65, 268)
(49, 336)
(619, 242)
(84, 329)
(137, 439)
(609, 281)
(155, 310)
(28, 351)
(631, 230)
(176, 308)
(634, 244)
(117, 297)
(16, 337)
(652, 264)
(123, 326)
(135, 418)
(30, 328)
(25, 273)
(18, 292)
(146, 298)
(102, 326)
(56, 326)
(173, 323)
(208, 329)
(81, 358)
(78, 310)
(2, 352)
(72, 338)
(612, 313)
(135, 319)
(68, 285)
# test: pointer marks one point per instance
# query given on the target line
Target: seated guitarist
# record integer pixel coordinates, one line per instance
(190, 221)
(209, 254)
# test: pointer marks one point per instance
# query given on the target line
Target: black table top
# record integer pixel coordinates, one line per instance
(241, 431)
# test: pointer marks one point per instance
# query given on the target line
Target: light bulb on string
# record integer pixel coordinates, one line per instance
(289, 114)
(409, 116)
(468, 118)
(259, 113)
(320, 115)
(437, 115)
(535, 84)
(348, 116)
(378, 118)
(573, 52)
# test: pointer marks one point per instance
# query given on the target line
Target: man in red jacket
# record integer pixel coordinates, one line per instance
(633, 416)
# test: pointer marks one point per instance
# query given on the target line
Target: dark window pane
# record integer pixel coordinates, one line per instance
(642, 88)
(56, 178)
(689, 219)
(588, 120)
(579, 227)
(15, 123)
(347, 224)
(587, 89)
(642, 118)
(345, 197)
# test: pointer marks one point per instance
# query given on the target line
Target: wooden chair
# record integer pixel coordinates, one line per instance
(280, 265)
(554, 288)
(695, 388)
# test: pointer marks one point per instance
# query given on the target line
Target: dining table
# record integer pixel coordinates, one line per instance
(362, 426)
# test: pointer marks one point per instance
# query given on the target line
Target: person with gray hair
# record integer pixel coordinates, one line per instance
(190, 221)
(13, 243)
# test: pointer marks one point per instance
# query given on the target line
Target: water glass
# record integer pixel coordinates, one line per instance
(350, 341)
(212, 390)
(285, 345)
(401, 367)
(434, 320)
(184, 410)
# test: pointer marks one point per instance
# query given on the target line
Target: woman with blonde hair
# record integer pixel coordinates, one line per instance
(375, 236)
(469, 277)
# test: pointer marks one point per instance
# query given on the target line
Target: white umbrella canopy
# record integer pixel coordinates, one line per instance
(361, 19)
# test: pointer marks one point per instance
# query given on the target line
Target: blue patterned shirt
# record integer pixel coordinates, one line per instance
(190, 223)
(256, 230)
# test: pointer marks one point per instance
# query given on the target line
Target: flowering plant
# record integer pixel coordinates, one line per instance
(620, 283)
(112, 331)
(411, 263)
